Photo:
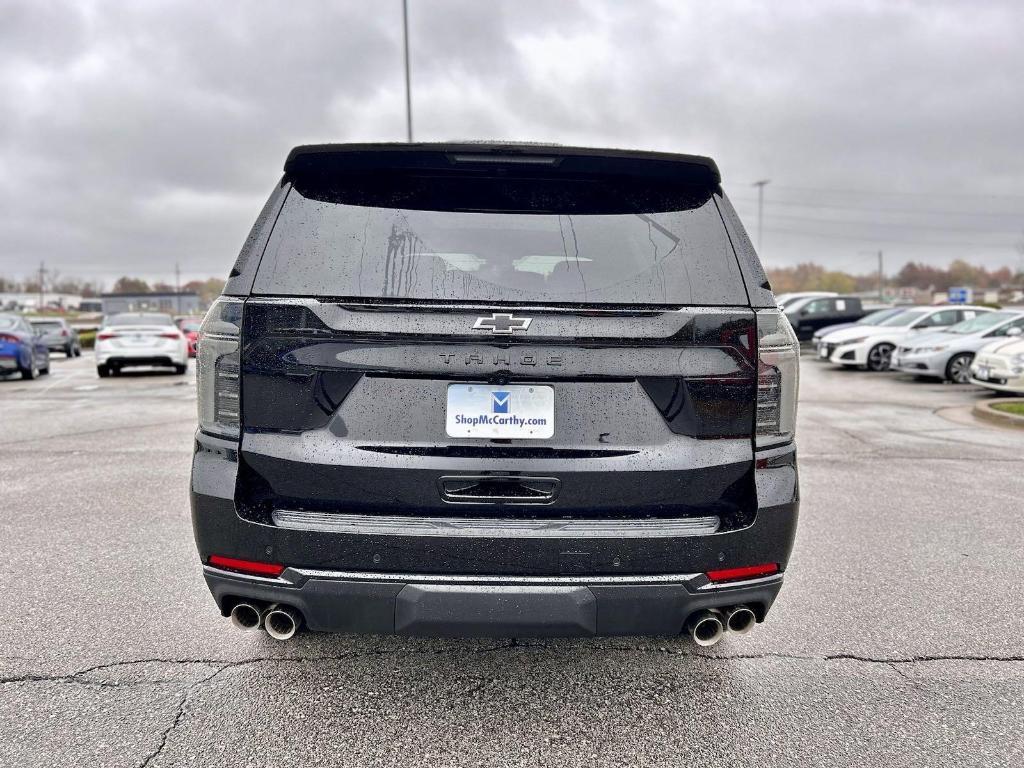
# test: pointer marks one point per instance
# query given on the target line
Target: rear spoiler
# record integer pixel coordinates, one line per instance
(525, 159)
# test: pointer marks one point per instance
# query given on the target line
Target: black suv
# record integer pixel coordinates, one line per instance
(500, 390)
(815, 314)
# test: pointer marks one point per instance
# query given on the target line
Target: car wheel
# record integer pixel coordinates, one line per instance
(102, 371)
(958, 369)
(32, 371)
(78, 351)
(879, 357)
(69, 351)
(180, 369)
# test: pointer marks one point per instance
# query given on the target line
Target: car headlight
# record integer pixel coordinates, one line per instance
(1017, 359)
(931, 349)
(858, 340)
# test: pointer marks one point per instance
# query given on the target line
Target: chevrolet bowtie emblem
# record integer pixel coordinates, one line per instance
(501, 324)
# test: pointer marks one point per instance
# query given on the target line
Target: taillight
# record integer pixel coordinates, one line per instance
(106, 336)
(743, 572)
(7, 337)
(778, 379)
(170, 335)
(63, 331)
(218, 366)
(253, 567)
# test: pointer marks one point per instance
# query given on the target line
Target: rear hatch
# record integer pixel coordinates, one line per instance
(483, 334)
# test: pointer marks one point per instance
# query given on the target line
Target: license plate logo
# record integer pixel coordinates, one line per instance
(499, 401)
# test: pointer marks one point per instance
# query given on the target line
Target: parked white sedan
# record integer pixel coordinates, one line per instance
(872, 347)
(1000, 366)
(948, 354)
(140, 338)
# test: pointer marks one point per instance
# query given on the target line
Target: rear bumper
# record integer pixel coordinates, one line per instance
(148, 358)
(379, 578)
(474, 606)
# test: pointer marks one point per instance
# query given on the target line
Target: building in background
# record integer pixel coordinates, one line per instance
(184, 303)
(30, 301)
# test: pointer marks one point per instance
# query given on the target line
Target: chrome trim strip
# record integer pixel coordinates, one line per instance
(295, 577)
(428, 578)
(490, 527)
(356, 305)
(276, 580)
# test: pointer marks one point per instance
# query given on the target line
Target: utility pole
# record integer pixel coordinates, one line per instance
(760, 211)
(177, 286)
(881, 277)
(881, 271)
(408, 88)
(42, 277)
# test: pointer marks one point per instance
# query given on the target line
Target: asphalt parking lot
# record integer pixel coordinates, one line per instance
(897, 640)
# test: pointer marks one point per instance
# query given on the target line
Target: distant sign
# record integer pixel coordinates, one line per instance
(960, 295)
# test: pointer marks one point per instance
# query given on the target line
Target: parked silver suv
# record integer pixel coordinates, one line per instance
(58, 335)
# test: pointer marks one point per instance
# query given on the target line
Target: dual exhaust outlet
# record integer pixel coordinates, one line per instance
(707, 627)
(280, 621)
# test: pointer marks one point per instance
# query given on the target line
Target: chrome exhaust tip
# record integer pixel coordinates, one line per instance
(246, 616)
(740, 619)
(282, 622)
(706, 628)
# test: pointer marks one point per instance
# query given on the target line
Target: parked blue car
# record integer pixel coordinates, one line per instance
(22, 348)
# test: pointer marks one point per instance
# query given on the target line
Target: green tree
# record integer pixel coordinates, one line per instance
(131, 285)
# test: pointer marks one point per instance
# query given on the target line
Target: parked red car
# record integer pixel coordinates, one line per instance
(190, 327)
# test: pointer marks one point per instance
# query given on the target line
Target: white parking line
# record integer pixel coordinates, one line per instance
(59, 379)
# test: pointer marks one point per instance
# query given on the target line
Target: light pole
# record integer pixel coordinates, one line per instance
(408, 89)
(881, 272)
(760, 210)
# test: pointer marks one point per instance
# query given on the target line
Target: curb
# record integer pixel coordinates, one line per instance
(984, 410)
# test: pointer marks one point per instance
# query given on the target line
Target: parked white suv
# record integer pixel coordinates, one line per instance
(134, 339)
(871, 347)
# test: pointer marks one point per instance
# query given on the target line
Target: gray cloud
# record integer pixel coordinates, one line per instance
(140, 135)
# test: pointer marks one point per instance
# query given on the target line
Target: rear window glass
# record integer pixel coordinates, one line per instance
(905, 318)
(981, 322)
(876, 318)
(537, 240)
(136, 319)
(47, 325)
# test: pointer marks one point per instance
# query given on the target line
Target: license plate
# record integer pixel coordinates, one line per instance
(511, 412)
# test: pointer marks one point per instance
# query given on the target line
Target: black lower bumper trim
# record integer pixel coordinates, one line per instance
(450, 608)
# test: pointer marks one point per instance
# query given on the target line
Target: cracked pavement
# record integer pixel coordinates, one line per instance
(897, 639)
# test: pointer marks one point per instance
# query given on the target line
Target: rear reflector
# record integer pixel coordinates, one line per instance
(746, 572)
(246, 566)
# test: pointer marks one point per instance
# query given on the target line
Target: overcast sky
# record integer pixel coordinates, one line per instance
(137, 135)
